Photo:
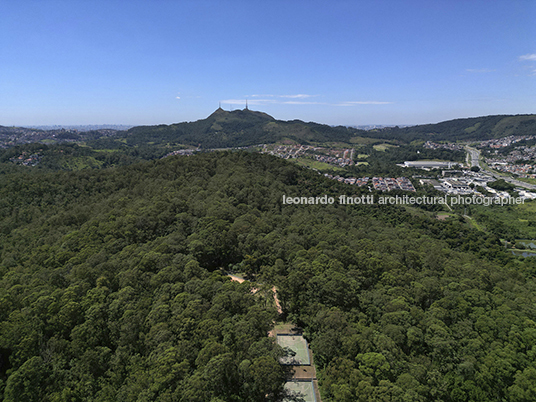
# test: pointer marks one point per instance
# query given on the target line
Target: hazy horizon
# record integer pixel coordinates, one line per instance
(186, 121)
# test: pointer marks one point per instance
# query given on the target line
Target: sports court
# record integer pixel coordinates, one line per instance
(304, 388)
(298, 344)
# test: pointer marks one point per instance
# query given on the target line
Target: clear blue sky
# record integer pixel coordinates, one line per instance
(335, 62)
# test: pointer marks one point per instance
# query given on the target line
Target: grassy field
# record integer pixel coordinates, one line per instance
(383, 147)
(519, 219)
(526, 180)
(474, 224)
(336, 145)
(311, 163)
(363, 140)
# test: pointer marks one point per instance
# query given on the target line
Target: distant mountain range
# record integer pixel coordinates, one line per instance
(223, 129)
(246, 127)
(85, 127)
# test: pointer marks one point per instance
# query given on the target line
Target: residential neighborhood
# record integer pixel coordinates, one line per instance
(26, 159)
(379, 183)
(340, 157)
(519, 161)
(505, 141)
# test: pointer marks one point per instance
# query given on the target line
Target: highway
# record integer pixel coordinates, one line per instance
(474, 155)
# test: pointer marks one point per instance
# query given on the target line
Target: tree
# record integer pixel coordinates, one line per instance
(29, 382)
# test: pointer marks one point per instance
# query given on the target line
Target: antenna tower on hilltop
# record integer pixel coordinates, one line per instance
(247, 104)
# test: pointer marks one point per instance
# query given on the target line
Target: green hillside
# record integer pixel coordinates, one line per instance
(246, 127)
(476, 128)
(237, 128)
(225, 129)
(112, 289)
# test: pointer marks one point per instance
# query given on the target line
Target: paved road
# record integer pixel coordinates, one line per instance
(474, 154)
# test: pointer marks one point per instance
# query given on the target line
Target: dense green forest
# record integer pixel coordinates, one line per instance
(112, 287)
(104, 298)
(75, 157)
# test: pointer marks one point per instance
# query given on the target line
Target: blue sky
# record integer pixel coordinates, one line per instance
(334, 62)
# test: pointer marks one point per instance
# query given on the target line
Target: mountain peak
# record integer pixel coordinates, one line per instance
(218, 112)
(240, 114)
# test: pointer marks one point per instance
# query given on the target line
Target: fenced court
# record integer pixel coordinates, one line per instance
(298, 344)
(305, 389)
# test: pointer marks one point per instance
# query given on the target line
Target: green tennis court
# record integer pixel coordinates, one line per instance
(305, 389)
(298, 344)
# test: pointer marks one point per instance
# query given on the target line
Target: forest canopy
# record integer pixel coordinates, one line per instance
(113, 287)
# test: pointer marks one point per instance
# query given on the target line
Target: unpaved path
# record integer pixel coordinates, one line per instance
(254, 290)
